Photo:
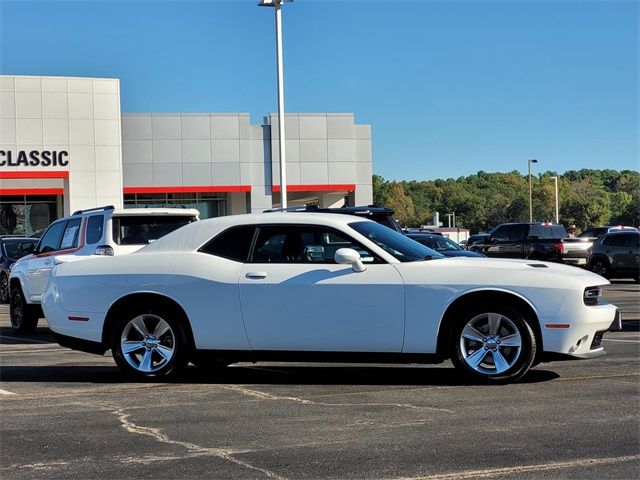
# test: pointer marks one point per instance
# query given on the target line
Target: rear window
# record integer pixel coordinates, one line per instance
(140, 230)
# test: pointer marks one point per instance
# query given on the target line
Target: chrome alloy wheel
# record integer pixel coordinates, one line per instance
(148, 343)
(490, 343)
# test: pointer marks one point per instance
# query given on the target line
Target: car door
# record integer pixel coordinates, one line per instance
(624, 251)
(295, 297)
(61, 237)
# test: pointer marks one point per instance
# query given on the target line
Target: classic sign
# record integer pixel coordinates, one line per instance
(34, 158)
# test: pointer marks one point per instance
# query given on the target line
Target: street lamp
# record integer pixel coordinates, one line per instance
(557, 215)
(530, 191)
(277, 4)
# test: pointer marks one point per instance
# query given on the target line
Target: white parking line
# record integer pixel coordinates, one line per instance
(623, 341)
(5, 392)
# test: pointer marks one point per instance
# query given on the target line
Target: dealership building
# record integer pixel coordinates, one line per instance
(65, 146)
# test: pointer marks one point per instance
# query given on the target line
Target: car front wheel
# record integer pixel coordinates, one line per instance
(24, 318)
(493, 344)
(600, 266)
(149, 344)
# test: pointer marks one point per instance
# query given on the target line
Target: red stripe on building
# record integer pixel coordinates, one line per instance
(31, 191)
(190, 189)
(35, 174)
(317, 188)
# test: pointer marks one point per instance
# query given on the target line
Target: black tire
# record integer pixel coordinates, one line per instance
(24, 317)
(496, 361)
(535, 256)
(600, 266)
(159, 353)
(4, 288)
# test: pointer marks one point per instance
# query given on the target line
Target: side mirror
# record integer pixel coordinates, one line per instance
(348, 256)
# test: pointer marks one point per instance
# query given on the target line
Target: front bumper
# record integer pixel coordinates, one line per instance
(582, 338)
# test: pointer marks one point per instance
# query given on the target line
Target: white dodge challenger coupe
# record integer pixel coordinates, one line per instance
(322, 287)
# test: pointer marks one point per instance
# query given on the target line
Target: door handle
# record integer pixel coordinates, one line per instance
(256, 275)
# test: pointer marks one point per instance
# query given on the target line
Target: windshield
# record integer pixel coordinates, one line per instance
(394, 243)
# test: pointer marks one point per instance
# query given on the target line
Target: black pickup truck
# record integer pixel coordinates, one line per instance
(534, 241)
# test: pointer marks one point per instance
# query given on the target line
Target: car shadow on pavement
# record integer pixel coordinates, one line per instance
(631, 326)
(41, 335)
(261, 374)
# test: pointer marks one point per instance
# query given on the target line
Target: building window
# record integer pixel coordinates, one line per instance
(25, 215)
(208, 204)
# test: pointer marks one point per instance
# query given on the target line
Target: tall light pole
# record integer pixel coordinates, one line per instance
(277, 4)
(530, 191)
(557, 214)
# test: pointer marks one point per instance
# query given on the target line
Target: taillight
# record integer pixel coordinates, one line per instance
(559, 247)
(104, 250)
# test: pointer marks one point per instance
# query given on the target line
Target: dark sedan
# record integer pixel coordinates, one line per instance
(11, 249)
(443, 245)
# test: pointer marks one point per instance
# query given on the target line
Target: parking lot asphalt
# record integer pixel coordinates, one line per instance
(68, 414)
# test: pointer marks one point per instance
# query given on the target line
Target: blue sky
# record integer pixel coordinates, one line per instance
(449, 87)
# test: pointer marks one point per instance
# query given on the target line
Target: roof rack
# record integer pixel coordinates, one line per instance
(96, 209)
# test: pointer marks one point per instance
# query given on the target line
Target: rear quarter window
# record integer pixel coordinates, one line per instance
(95, 228)
(233, 244)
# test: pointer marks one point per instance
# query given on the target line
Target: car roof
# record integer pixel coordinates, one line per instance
(622, 232)
(137, 211)
(194, 235)
(361, 209)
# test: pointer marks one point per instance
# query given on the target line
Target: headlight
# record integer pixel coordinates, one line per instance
(592, 295)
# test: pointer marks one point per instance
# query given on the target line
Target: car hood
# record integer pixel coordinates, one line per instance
(497, 272)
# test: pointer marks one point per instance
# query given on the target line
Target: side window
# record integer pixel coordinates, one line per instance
(518, 232)
(233, 243)
(95, 227)
(502, 233)
(51, 239)
(535, 231)
(303, 244)
(71, 236)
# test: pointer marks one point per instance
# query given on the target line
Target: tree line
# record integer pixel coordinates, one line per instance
(481, 201)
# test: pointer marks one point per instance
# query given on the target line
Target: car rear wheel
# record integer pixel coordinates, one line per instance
(493, 344)
(4, 289)
(24, 318)
(149, 344)
(601, 267)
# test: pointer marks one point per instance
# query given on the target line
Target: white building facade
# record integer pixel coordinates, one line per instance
(65, 145)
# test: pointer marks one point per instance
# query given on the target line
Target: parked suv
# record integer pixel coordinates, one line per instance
(96, 231)
(12, 249)
(575, 251)
(616, 255)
